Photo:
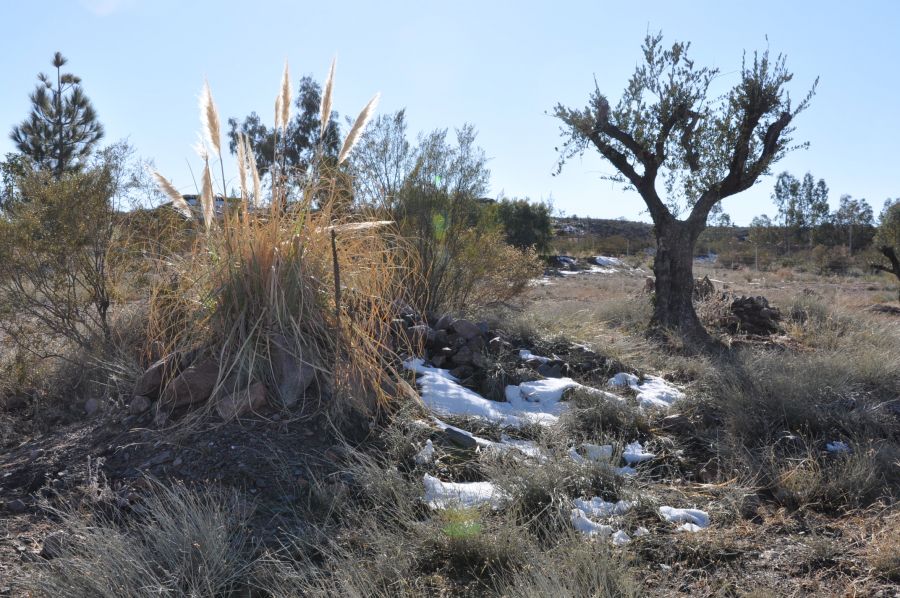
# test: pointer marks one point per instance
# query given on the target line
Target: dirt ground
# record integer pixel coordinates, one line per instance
(770, 552)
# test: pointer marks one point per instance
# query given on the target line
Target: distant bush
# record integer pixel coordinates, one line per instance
(461, 249)
(525, 224)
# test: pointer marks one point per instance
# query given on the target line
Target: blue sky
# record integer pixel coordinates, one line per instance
(499, 65)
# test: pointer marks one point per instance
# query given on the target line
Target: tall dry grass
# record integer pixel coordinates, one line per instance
(277, 284)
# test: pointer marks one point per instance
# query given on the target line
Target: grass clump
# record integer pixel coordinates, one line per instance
(285, 289)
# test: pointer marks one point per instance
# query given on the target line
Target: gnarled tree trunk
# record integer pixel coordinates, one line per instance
(673, 266)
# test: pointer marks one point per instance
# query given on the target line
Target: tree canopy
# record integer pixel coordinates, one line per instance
(62, 128)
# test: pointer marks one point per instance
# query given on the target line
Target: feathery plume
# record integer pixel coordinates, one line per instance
(361, 121)
(254, 173)
(277, 112)
(242, 166)
(200, 148)
(325, 108)
(209, 116)
(206, 197)
(172, 193)
(285, 97)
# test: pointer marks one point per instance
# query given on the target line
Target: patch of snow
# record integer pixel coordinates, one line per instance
(837, 447)
(602, 260)
(620, 538)
(641, 531)
(584, 525)
(526, 355)
(624, 379)
(634, 453)
(444, 495)
(426, 455)
(626, 470)
(692, 516)
(598, 452)
(529, 448)
(689, 527)
(652, 392)
(597, 507)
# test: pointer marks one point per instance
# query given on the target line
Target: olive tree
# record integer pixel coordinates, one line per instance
(888, 239)
(684, 150)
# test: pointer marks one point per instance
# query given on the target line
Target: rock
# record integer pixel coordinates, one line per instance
(459, 439)
(138, 405)
(193, 385)
(463, 356)
(462, 372)
(676, 424)
(550, 370)
(91, 406)
(420, 335)
(14, 403)
(476, 344)
(242, 401)
(478, 360)
(649, 285)
(466, 329)
(497, 344)
(440, 339)
(54, 545)
(444, 322)
(438, 361)
(16, 505)
(294, 374)
(150, 383)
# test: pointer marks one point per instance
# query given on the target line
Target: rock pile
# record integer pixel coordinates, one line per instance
(753, 315)
(184, 379)
(458, 345)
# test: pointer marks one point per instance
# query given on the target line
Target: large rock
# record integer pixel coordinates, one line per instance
(242, 401)
(152, 380)
(463, 356)
(293, 373)
(444, 322)
(138, 405)
(193, 385)
(466, 329)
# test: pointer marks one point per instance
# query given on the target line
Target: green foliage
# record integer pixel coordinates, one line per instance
(300, 142)
(889, 228)
(802, 206)
(525, 224)
(62, 128)
(54, 257)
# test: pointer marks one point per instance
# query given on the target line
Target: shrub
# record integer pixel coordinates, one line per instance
(464, 259)
(56, 277)
(525, 224)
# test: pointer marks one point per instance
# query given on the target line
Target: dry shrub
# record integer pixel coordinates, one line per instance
(180, 542)
(270, 290)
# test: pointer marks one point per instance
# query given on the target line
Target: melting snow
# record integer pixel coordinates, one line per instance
(689, 527)
(444, 495)
(634, 453)
(837, 447)
(591, 528)
(652, 392)
(602, 260)
(530, 402)
(689, 516)
(620, 538)
(526, 355)
(426, 455)
(597, 507)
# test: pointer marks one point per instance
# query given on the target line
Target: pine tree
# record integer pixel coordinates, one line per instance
(62, 127)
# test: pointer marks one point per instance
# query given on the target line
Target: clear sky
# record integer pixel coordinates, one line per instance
(499, 65)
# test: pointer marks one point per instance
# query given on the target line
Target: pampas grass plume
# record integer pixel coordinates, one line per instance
(361, 121)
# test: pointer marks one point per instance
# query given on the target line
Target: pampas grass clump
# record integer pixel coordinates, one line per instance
(296, 285)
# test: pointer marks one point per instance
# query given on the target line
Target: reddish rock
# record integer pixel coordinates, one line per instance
(193, 385)
(152, 380)
(241, 402)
